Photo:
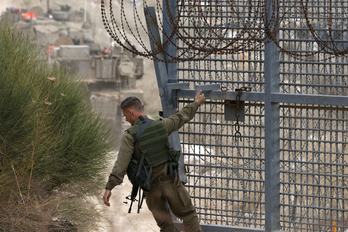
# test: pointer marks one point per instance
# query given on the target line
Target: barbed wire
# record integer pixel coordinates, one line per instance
(223, 27)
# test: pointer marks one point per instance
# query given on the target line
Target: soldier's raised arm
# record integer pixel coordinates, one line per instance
(177, 120)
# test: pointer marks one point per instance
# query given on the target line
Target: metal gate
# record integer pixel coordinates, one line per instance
(272, 157)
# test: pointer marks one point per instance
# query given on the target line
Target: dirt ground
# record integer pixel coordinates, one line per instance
(117, 217)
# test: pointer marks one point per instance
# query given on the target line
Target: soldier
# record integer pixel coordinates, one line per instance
(164, 188)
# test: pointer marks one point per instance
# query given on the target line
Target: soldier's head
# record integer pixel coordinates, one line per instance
(131, 108)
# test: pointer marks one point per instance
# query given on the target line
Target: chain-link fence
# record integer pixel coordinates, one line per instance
(227, 173)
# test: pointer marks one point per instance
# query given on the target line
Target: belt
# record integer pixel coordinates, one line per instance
(161, 179)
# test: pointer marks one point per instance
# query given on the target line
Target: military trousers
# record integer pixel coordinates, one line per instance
(179, 202)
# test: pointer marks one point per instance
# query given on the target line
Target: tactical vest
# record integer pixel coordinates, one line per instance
(153, 143)
(152, 140)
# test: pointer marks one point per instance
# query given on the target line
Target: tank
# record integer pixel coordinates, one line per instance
(67, 36)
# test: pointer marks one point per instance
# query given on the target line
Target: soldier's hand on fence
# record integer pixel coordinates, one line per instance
(200, 99)
(106, 197)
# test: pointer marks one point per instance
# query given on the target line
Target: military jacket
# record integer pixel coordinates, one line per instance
(171, 124)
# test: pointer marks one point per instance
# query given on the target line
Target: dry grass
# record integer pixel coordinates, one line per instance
(66, 209)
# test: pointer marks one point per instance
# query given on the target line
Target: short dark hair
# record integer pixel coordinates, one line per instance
(131, 102)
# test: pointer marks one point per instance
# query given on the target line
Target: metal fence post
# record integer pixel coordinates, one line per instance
(272, 169)
(163, 76)
(170, 48)
(174, 139)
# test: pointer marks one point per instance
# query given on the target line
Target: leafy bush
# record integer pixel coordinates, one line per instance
(48, 130)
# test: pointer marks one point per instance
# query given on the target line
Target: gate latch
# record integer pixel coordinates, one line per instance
(234, 109)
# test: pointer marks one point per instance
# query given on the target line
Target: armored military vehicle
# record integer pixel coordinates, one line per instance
(68, 39)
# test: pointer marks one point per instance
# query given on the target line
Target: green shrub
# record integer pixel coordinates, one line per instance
(48, 130)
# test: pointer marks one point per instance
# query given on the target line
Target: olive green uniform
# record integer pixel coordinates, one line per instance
(175, 193)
